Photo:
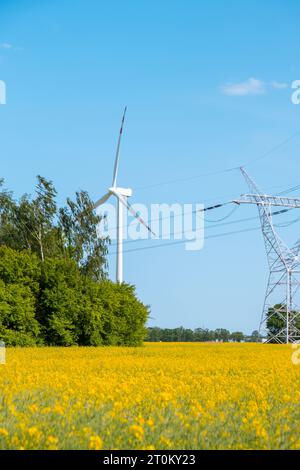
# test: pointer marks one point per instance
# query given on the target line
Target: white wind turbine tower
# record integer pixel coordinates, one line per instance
(121, 194)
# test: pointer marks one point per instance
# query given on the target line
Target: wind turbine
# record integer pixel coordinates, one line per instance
(121, 194)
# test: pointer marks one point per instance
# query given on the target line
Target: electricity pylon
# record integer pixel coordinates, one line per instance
(284, 266)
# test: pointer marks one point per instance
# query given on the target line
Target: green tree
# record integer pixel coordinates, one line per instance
(92, 316)
(19, 287)
(255, 337)
(22, 268)
(153, 334)
(237, 336)
(42, 214)
(125, 316)
(74, 309)
(9, 234)
(203, 334)
(78, 223)
(221, 334)
(17, 314)
(29, 224)
(36, 224)
(53, 286)
(60, 302)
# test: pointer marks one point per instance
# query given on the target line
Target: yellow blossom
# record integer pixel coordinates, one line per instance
(95, 443)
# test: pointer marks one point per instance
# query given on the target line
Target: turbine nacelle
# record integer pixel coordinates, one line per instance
(121, 193)
(126, 192)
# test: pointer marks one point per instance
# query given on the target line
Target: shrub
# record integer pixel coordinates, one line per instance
(60, 302)
(53, 303)
(17, 315)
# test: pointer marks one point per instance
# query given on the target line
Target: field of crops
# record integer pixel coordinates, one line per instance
(160, 396)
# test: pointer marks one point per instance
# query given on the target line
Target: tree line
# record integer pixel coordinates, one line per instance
(276, 321)
(199, 335)
(53, 275)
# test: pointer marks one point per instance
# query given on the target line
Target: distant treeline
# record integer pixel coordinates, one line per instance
(199, 335)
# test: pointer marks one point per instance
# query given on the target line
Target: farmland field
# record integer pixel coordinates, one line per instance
(160, 396)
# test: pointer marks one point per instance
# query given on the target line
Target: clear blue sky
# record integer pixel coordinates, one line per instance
(208, 86)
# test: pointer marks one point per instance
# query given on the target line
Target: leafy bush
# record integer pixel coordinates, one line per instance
(125, 315)
(60, 302)
(17, 308)
(53, 303)
(17, 338)
(21, 267)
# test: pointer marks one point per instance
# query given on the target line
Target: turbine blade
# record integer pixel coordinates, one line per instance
(134, 213)
(115, 174)
(102, 200)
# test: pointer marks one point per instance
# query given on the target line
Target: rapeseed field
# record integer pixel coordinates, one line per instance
(160, 396)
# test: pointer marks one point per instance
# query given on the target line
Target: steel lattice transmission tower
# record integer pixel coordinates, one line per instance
(284, 265)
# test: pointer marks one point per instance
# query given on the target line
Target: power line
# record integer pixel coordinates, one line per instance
(225, 170)
(202, 229)
(248, 219)
(173, 216)
(273, 149)
(286, 191)
(187, 241)
(223, 218)
(287, 224)
(188, 178)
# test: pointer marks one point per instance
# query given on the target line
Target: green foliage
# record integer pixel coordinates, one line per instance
(255, 337)
(198, 335)
(221, 334)
(36, 224)
(17, 338)
(17, 309)
(237, 336)
(113, 315)
(20, 268)
(203, 334)
(125, 316)
(92, 316)
(74, 309)
(60, 302)
(18, 325)
(78, 223)
(53, 287)
(19, 286)
(53, 303)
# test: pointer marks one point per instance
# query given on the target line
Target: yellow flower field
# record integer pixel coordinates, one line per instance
(160, 396)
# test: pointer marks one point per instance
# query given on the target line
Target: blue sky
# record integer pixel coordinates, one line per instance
(207, 85)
